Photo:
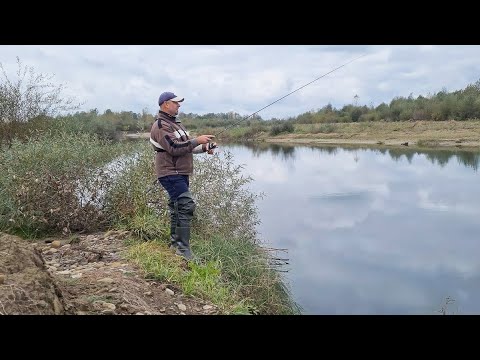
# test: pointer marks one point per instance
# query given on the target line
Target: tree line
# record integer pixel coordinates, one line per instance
(457, 105)
(33, 101)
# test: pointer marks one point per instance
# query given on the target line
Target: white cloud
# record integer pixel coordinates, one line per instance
(271, 173)
(246, 78)
(425, 202)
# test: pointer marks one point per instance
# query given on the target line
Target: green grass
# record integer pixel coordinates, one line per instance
(146, 225)
(234, 275)
(199, 280)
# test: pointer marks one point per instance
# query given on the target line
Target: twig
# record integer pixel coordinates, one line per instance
(138, 300)
(273, 249)
(22, 290)
(4, 311)
(280, 259)
(278, 270)
(278, 263)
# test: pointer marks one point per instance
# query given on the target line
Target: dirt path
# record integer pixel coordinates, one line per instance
(87, 276)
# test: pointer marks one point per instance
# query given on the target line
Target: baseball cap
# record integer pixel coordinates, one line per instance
(166, 96)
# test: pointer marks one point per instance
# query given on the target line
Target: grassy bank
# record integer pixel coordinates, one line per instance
(65, 183)
(413, 133)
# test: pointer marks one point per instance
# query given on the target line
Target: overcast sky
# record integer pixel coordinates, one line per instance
(246, 78)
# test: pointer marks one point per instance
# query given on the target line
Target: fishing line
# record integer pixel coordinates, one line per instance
(290, 93)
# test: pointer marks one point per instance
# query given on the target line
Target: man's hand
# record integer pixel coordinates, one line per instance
(204, 139)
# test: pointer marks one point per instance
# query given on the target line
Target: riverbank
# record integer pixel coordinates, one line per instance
(111, 186)
(459, 134)
(426, 134)
(85, 275)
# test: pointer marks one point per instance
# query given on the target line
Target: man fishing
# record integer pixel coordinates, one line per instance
(174, 162)
(174, 165)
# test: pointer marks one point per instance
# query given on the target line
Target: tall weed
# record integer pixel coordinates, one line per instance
(55, 183)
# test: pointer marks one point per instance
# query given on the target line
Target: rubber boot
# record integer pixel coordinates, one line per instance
(185, 206)
(173, 222)
(183, 243)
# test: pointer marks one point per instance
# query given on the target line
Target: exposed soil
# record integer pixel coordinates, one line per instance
(25, 285)
(83, 275)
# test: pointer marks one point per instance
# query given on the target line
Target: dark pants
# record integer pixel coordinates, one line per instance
(175, 185)
(181, 206)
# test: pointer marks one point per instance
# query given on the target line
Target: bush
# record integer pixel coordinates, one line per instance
(286, 127)
(217, 185)
(55, 183)
(136, 201)
(27, 98)
(223, 202)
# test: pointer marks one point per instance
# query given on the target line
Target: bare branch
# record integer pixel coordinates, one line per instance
(31, 95)
(4, 311)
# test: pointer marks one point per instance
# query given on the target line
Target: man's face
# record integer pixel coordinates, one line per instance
(171, 107)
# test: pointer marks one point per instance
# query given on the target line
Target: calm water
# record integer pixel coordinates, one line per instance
(370, 231)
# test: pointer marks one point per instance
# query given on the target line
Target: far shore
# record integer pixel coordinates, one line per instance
(424, 134)
(442, 143)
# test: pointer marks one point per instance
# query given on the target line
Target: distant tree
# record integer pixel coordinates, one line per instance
(355, 114)
(29, 97)
(327, 108)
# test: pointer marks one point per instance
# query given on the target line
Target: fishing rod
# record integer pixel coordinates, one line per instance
(283, 97)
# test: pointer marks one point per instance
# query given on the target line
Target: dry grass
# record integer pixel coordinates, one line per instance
(415, 133)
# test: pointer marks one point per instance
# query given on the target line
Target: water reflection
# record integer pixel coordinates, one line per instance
(437, 156)
(284, 152)
(371, 231)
